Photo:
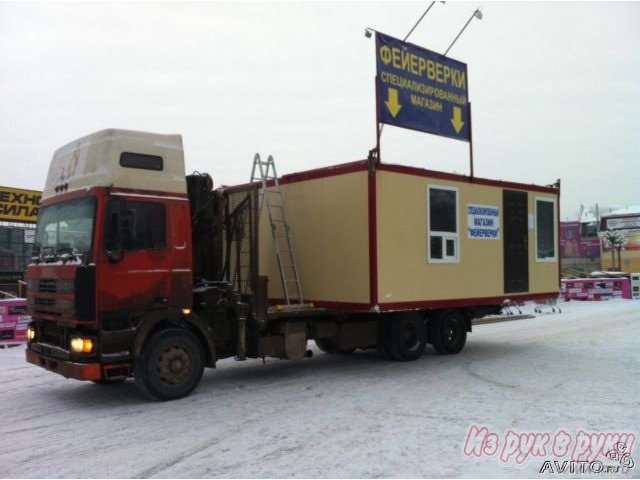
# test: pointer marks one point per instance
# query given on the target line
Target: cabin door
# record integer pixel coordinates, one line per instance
(516, 248)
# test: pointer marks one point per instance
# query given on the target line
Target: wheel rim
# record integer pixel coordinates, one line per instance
(451, 331)
(174, 365)
(410, 337)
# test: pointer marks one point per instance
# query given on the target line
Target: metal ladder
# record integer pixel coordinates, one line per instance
(271, 195)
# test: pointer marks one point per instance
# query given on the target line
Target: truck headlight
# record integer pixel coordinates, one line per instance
(31, 333)
(81, 345)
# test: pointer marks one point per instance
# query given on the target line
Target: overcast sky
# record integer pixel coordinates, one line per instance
(555, 87)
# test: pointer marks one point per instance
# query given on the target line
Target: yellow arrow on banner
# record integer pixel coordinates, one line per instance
(456, 121)
(392, 104)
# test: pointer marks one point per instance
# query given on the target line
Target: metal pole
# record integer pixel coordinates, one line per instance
(419, 20)
(470, 143)
(476, 13)
(378, 126)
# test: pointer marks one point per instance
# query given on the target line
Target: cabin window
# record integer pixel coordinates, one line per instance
(442, 222)
(140, 160)
(148, 226)
(546, 236)
(135, 226)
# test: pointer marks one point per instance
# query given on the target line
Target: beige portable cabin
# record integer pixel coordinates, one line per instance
(387, 237)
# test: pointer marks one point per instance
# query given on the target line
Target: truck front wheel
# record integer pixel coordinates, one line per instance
(170, 365)
(448, 332)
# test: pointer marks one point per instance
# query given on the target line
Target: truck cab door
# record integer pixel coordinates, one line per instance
(134, 274)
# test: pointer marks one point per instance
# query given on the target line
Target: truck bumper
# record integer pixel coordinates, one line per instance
(79, 371)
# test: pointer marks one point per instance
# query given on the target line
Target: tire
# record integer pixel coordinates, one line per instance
(384, 339)
(383, 351)
(328, 345)
(408, 337)
(170, 365)
(324, 345)
(448, 332)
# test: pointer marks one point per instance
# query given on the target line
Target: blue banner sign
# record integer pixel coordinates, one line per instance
(420, 89)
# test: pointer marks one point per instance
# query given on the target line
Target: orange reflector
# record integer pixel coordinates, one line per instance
(87, 345)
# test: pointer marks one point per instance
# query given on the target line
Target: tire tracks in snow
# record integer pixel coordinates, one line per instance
(190, 452)
(66, 422)
(238, 429)
(492, 381)
(159, 467)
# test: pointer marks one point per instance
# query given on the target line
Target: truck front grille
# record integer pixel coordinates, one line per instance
(64, 299)
(48, 285)
(51, 334)
(45, 302)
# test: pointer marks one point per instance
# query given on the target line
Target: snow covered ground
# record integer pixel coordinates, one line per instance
(333, 416)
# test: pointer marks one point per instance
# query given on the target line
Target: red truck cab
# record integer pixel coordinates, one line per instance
(104, 221)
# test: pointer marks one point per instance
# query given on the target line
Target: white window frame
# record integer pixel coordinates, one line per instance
(555, 229)
(444, 235)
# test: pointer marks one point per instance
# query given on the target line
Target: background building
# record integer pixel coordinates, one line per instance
(18, 217)
(626, 221)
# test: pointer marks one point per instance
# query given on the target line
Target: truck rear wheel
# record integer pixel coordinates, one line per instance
(170, 365)
(448, 332)
(383, 349)
(408, 337)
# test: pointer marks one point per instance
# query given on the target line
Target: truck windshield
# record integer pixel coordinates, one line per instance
(65, 229)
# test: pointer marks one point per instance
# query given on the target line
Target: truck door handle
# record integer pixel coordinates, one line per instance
(161, 300)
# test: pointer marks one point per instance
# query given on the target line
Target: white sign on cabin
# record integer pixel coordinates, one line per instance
(622, 223)
(483, 222)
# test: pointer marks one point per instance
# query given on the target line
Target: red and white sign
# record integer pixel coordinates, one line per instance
(13, 321)
(595, 288)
